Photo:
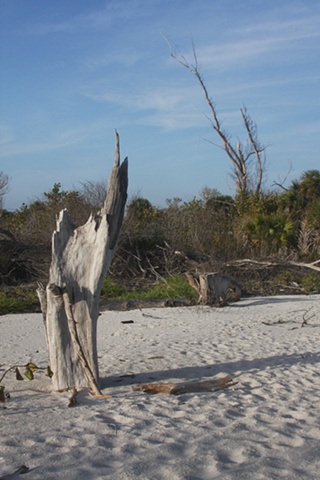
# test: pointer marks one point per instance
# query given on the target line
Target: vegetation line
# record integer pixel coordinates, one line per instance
(210, 232)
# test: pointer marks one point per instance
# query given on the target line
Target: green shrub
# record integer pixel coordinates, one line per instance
(311, 283)
(18, 300)
(111, 289)
(286, 277)
(171, 287)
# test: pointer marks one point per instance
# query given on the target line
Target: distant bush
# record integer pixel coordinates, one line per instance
(212, 228)
(311, 283)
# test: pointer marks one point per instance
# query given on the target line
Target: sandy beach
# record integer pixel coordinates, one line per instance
(266, 426)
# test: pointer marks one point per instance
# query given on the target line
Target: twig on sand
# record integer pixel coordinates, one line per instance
(304, 323)
(305, 319)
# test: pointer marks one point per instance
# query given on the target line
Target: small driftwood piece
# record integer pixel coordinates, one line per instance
(214, 288)
(170, 388)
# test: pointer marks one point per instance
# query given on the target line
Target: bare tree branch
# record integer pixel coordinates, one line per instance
(257, 149)
(240, 154)
(281, 183)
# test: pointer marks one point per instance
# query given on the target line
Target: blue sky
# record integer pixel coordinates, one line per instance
(74, 71)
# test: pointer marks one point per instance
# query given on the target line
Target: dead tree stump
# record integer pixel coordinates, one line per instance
(81, 257)
(214, 288)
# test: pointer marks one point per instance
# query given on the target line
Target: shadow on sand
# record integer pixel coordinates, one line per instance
(231, 368)
(252, 301)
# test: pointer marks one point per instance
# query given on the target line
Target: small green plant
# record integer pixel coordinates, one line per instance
(29, 371)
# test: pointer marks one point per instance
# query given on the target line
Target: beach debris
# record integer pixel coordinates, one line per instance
(73, 398)
(2, 394)
(277, 322)
(305, 319)
(193, 386)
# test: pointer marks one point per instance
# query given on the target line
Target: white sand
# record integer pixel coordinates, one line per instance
(265, 427)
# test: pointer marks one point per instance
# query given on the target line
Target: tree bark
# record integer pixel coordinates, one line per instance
(81, 258)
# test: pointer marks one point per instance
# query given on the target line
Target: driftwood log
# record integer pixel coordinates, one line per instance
(248, 261)
(214, 288)
(208, 385)
(81, 257)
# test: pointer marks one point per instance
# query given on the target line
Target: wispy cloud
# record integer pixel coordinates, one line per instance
(6, 135)
(266, 84)
(184, 106)
(295, 23)
(258, 41)
(174, 121)
(60, 139)
(126, 59)
(308, 128)
(167, 107)
(146, 99)
(113, 12)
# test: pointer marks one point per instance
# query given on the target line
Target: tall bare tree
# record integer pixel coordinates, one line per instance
(244, 156)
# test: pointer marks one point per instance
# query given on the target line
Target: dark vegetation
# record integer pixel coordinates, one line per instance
(211, 232)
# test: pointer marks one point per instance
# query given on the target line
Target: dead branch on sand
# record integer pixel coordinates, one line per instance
(211, 385)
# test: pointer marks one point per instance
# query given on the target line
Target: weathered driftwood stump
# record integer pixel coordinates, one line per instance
(214, 288)
(81, 258)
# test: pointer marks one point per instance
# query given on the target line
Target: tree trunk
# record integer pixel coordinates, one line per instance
(214, 288)
(81, 258)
